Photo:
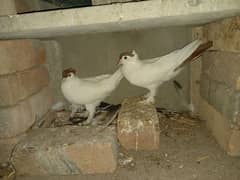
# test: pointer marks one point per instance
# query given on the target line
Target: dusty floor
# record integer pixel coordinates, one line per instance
(188, 151)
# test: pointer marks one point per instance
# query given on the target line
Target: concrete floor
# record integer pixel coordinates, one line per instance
(188, 152)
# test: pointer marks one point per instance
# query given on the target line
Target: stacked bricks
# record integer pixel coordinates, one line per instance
(24, 92)
(219, 83)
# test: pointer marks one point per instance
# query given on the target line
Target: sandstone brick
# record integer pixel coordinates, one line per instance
(224, 99)
(225, 34)
(17, 119)
(18, 86)
(222, 67)
(138, 125)
(65, 151)
(19, 55)
(219, 125)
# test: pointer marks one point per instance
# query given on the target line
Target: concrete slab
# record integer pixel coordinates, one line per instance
(116, 17)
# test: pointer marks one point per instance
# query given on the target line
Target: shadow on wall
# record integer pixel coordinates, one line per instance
(96, 54)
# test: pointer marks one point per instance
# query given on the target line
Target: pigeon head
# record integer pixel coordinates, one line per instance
(68, 73)
(128, 56)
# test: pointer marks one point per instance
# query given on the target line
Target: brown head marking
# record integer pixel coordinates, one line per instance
(66, 72)
(127, 53)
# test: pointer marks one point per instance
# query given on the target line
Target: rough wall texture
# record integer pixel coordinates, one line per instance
(217, 96)
(220, 128)
(7, 7)
(224, 34)
(223, 67)
(19, 55)
(98, 53)
(17, 119)
(27, 6)
(18, 86)
(54, 65)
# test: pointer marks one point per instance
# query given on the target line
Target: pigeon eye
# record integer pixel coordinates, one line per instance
(125, 57)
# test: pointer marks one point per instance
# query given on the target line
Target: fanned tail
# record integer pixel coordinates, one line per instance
(195, 54)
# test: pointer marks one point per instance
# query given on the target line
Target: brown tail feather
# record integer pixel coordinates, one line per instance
(195, 54)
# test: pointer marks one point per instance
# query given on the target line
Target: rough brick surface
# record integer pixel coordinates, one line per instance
(18, 86)
(19, 55)
(138, 125)
(222, 67)
(65, 151)
(224, 99)
(225, 34)
(17, 119)
(227, 137)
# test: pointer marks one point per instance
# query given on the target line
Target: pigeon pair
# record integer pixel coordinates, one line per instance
(149, 74)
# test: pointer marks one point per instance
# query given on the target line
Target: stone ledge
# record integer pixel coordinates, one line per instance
(116, 17)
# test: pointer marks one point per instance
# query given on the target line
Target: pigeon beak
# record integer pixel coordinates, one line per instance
(119, 62)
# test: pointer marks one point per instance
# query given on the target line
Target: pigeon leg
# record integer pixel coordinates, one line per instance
(74, 108)
(150, 96)
(91, 108)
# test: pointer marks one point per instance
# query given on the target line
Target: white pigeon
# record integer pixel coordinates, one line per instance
(151, 73)
(88, 91)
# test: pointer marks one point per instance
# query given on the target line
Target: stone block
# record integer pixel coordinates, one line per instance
(65, 151)
(18, 86)
(224, 99)
(220, 127)
(17, 119)
(19, 55)
(222, 67)
(138, 125)
(225, 34)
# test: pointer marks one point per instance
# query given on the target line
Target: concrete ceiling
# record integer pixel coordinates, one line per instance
(116, 17)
